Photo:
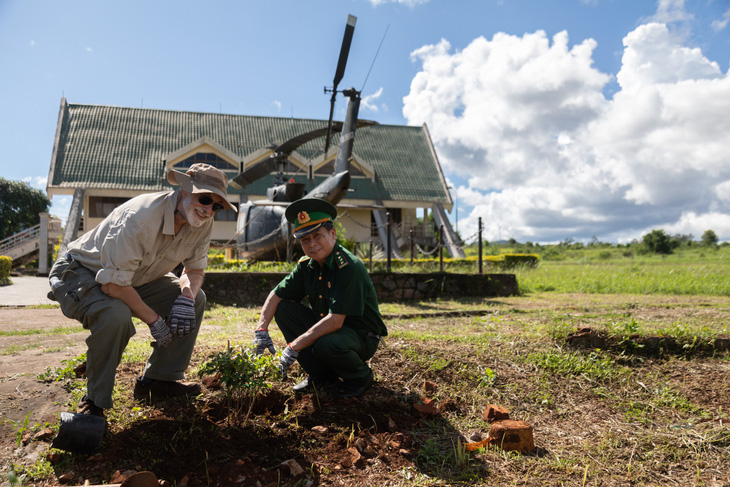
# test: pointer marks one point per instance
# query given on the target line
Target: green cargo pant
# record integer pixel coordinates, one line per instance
(342, 353)
(110, 323)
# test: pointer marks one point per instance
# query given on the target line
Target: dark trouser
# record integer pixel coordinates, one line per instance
(342, 353)
(110, 323)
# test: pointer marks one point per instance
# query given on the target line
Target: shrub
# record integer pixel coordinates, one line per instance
(6, 263)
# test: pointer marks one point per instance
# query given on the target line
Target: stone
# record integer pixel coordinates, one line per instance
(494, 413)
(511, 435)
(294, 467)
(321, 430)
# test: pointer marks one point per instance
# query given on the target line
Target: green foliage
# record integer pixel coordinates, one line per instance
(658, 242)
(20, 205)
(241, 371)
(63, 373)
(709, 239)
(6, 264)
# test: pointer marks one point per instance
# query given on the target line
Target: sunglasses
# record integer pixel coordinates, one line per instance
(206, 200)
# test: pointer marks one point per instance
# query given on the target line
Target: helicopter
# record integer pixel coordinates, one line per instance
(262, 231)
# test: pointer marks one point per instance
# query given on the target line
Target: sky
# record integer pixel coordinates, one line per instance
(552, 120)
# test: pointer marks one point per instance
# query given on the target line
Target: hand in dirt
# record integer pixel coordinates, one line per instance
(160, 332)
(262, 341)
(288, 356)
(182, 316)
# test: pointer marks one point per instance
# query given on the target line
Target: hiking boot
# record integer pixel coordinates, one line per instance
(163, 389)
(87, 406)
(354, 388)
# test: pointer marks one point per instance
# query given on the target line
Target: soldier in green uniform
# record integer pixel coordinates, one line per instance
(340, 330)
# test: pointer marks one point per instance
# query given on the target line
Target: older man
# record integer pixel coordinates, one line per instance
(122, 268)
(339, 331)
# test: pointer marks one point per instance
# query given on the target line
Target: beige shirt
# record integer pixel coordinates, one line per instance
(137, 244)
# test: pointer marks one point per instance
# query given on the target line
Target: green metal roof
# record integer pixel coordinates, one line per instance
(121, 148)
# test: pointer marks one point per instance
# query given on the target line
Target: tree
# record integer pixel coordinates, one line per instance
(20, 205)
(709, 239)
(658, 241)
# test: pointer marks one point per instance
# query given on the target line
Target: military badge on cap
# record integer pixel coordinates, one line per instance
(308, 214)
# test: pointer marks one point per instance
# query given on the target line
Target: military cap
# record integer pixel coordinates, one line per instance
(308, 214)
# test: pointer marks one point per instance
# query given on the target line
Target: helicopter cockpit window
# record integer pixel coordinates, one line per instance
(207, 158)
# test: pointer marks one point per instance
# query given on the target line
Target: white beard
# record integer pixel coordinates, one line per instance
(190, 212)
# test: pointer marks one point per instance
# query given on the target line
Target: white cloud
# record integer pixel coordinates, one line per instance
(368, 102)
(548, 157)
(669, 11)
(38, 182)
(718, 25)
(277, 105)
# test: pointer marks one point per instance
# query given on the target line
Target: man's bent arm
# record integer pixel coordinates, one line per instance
(191, 280)
(328, 324)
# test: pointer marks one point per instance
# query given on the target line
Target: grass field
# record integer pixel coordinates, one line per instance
(619, 413)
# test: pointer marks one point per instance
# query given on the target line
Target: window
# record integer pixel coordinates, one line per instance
(226, 215)
(207, 158)
(102, 206)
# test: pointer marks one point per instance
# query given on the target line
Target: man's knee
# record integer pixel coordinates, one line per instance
(110, 322)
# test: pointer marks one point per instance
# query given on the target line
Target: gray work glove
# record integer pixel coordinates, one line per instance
(160, 332)
(182, 316)
(288, 356)
(262, 341)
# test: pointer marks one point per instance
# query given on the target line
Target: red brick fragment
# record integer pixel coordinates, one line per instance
(494, 413)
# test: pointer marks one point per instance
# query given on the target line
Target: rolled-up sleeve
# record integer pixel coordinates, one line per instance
(121, 251)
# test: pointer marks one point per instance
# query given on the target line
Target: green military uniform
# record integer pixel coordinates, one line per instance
(341, 286)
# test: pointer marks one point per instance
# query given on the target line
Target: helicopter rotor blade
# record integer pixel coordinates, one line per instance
(340, 71)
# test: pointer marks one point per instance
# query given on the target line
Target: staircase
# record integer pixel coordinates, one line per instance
(28, 241)
(451, 240)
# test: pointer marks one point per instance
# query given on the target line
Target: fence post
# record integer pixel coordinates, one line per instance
(371, 255)
(441, 248)
(387, 230)
(480, 245)
(410, 238)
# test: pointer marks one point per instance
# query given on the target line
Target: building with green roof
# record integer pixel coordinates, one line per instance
(106, 155)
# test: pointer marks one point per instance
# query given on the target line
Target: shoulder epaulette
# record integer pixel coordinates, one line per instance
(340, 260)
(305, 258)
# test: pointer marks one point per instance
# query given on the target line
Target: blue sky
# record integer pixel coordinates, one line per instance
(552, 119)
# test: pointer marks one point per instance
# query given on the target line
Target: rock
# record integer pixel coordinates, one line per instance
(476, 436)
(45, 434)
(321, 430)
(494, 413)
(95, 458)
(363, 447)
(212, 382)
(294, 468)
(352, 459)
(66, 478)
(510, 435)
